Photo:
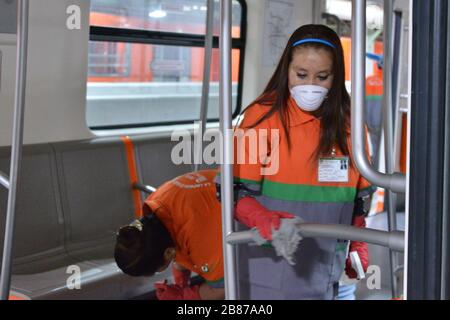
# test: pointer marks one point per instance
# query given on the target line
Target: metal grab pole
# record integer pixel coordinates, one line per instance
(16, 146)
(396, 181)
(388, 131)
(394, 240)
(206, 79)
(399, 110)
(446, 207)
(227, 152)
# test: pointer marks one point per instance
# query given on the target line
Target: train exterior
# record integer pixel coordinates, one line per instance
(136, 81)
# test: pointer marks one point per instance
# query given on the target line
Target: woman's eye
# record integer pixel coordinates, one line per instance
(322, 78)
(301, 76)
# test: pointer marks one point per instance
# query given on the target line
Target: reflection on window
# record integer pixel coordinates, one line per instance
(181, 16)
(129, 62)
(133, 84)
(163, 84)
(108, 59)
(338, 16)
(171, 64)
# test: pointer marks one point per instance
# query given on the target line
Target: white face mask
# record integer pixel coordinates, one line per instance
(308, 97)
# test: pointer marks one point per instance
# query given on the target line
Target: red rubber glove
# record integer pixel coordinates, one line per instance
(251, 213)
(181, 278)
(360, 247)
(165, 291)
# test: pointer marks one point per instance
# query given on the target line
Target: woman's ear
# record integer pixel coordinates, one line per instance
(169, 254)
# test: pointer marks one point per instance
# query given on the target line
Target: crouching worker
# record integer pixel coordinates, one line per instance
(181, 224)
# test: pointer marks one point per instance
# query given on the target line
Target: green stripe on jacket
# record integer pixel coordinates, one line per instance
(306, 193)
(303, 193)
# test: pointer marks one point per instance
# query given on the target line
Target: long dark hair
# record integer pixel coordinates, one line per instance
(334, 112)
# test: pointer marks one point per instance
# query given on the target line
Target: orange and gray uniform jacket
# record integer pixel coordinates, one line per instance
(292, 186)
(189, 209)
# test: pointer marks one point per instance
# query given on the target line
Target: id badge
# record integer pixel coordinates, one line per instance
(333, 169)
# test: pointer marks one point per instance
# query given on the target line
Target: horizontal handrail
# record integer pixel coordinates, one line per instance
(144, 188)
(4, 180)
(394, 240)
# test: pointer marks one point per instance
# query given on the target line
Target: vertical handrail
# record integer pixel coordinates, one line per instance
(388, 130)
(206, 80)
(446, 189)
(399, 111)
(396, 181)
(227, 151)
(17, 142)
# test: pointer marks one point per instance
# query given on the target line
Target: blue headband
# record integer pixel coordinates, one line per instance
(329, 44)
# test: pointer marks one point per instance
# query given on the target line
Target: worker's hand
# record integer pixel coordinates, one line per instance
(251, 213)
(269, 221)
(363, 253)
(165, 291)
(360, 247)
(181, 276)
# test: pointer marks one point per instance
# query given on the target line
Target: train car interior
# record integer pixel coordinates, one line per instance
(96, 95)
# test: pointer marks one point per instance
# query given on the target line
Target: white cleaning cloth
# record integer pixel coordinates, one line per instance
(285, 240)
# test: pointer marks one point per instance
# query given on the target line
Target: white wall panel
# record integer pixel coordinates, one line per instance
(57, 69)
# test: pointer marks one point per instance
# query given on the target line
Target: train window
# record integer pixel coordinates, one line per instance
(8, 17)
(158, 85)
(169, 64)
(337, 15)
(147, 70)
(180, 16)
(107, 59)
